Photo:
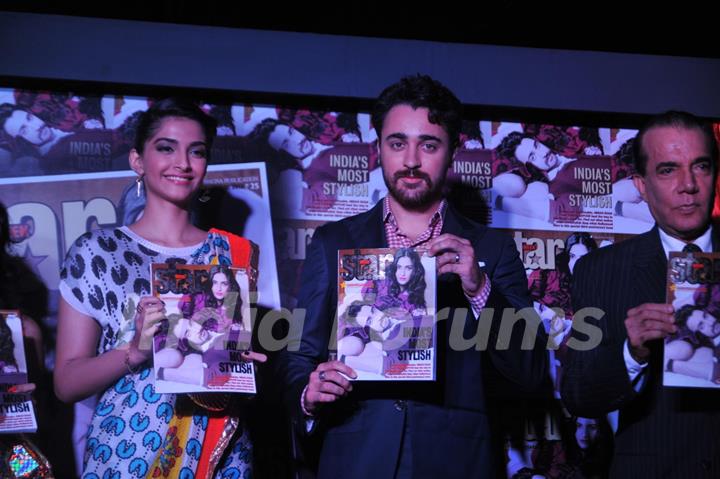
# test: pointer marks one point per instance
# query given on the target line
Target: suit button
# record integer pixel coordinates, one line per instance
(400, 405)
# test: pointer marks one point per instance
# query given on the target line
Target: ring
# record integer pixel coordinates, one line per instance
(457, 258)
(321, 375)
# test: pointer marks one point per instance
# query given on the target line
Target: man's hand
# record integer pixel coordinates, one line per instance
(645, 323)
(328, 383)
(456, 255)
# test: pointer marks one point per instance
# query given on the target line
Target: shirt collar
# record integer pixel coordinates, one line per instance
(669, 243)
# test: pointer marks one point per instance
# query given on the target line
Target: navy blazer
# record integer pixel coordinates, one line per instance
(448, 417)
(663, 432)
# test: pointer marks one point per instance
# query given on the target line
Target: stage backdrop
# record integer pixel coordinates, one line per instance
(559, 190)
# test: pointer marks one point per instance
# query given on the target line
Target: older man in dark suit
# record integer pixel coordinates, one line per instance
(663, 432)
(429, 429)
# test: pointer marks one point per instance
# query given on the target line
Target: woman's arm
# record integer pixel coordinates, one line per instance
(79, 371)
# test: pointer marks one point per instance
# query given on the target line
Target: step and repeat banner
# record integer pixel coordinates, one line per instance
(278, 173)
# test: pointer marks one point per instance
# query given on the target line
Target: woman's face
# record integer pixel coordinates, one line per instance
(173, 161)
(586, 432)
(404, 270)
(220, 285)
(576, 252)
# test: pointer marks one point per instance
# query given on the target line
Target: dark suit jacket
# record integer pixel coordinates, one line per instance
(449, 417)
(663, 432)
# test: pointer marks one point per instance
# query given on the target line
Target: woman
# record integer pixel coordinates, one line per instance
(179, 356)
(367, 333)
(692, 350)
(107, 317)
(22, 290)
(222, 292)
(550, 292)
(8, 364)
(590, 454)
(404, 285)
(551, 288)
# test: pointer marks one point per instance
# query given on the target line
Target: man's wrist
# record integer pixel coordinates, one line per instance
(303, 404)
(639, 357)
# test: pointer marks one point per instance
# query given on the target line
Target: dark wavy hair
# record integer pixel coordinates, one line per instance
(416, 285)
(210, 299)
(258, 148)
(582, 238)
(508, 145)
(421, 91)
(17, 145)
(7, 346)
(150, 120)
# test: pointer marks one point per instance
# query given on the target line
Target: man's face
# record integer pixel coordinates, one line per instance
(704, 323)
(288, 139)
(415, 155)
(678, 182)
(25, 125)
(534, 152)
(371, 316)
(196, 335)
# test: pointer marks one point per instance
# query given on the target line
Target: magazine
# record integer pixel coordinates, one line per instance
(692, 353)
(200, 346)
(386, 314)
(16, 409)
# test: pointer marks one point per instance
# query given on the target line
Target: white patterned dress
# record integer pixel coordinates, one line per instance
(105, 273)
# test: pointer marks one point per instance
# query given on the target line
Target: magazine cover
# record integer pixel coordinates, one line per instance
(386, 313)
(692, 353)
(545, 440)
(16, 410)
(208, 327)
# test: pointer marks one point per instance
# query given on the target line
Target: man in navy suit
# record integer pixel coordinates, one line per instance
(662, 432)
(418, 429)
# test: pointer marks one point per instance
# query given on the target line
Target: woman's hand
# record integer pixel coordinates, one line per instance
(21, 388)
(253, 356)
(150, 311)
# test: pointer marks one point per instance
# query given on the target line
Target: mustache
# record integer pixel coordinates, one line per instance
(408, 173)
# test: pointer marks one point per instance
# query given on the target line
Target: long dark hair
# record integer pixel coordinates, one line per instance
(416, 285)
(7, 346)
(212, 302)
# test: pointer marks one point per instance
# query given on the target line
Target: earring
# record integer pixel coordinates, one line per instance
(204, 196)
(138, 185)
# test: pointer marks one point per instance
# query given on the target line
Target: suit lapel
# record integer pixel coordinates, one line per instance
(368, 230)
(648, 272)
(452, 223)
(715, 239)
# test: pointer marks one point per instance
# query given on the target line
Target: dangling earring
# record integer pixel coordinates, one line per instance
(138, 185)
(204, 196)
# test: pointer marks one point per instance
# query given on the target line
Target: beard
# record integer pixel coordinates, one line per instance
(415, 196)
